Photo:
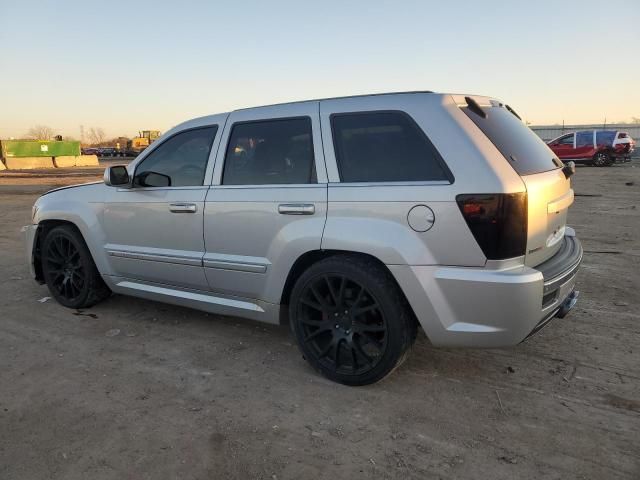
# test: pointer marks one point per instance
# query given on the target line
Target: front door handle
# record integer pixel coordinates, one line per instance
(183, 208)
(296, 209)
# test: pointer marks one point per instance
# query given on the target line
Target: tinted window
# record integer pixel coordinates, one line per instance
(604, 137)
(584, 139)
(566, 140)
(524, 150)
(383, 147)
(270, 152)
(182, 158)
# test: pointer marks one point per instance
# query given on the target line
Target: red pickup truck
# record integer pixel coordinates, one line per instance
(597, 147)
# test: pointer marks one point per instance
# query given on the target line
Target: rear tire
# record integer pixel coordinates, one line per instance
(69, 270)
(602, 159)
(350, 320)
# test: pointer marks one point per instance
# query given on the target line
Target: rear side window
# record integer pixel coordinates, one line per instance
(270, 152)
(384, 147)
(584, 139)
(606, 138)
(524, 150)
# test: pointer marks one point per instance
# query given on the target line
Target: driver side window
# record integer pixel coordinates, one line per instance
(566, 140)
(180, 161)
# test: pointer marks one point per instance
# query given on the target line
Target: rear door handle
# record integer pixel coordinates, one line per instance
(183, 208)
(296, 209)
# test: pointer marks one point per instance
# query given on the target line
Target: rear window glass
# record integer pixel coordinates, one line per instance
(524, 150)
(384, 147)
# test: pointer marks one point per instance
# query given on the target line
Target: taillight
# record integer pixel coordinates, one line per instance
(498, 222)
(622, 135)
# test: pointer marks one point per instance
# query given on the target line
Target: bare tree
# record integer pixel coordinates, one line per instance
(635, 119)
(96, 135)
(40, 132)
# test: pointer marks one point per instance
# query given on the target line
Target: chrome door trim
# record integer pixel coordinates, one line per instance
(191, 260)
(235, 262)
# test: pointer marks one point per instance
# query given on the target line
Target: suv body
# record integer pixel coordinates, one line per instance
(228, 213)
(598, 147)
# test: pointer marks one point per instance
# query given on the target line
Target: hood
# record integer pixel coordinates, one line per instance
(79, 185)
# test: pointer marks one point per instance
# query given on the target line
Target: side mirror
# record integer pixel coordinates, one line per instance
(152, 179)
(117, 176)
(569, 169)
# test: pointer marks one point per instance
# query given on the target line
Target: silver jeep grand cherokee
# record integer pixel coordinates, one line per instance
(358, 218)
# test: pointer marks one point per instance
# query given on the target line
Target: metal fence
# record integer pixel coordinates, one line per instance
(549, 132)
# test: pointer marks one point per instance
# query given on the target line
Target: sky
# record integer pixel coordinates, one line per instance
(126, 66)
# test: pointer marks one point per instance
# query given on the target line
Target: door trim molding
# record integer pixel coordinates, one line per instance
(235, 262)
(192, 260)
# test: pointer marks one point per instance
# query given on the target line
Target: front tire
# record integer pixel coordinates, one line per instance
(350, 319)
(69, 270)
(602, 159)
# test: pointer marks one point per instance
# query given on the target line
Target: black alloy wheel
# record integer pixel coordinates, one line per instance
(351, 320)
(602, 159)
(69, 270)
(343, 323)
(66, 272)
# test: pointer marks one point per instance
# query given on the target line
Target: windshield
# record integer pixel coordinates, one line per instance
(522, 148)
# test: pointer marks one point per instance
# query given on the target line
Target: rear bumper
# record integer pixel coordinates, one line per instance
(471, 307)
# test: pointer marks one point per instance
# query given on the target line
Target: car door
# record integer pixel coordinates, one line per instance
(563, 146)
(154, 229)
(585, 144)
(267, 205)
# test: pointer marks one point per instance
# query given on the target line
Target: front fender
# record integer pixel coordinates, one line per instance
(83, 207)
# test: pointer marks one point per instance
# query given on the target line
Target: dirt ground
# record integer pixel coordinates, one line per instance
(133, 389)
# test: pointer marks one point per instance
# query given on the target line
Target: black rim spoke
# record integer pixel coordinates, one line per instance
(373, 341)
(342, 324)
(358, 299)
(321, 300)
(312, 304)
(336, 353)
(362, 310)
(325, 351)
(343, 282)
(361, 352)
(332, 293)
(354, 359)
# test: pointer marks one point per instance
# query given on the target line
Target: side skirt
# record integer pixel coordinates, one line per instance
(197, 299)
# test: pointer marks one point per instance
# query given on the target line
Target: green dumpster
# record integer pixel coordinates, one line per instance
(37, 148)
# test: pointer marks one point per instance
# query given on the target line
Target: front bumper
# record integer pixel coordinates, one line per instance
(471, 307)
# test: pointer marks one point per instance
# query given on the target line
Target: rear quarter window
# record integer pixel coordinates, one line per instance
(384, 147)
(605, 138)
(522, 148)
